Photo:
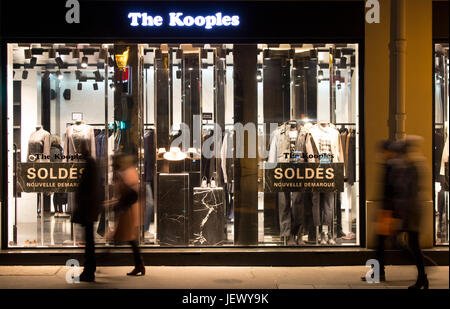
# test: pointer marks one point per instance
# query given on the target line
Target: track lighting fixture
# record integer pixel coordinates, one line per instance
(80, 86)
(98, 76)
(46, 74)
(259, 76)
(266, 54)
(320, 75)
(76, 53)
(51, 53)
(33, 62)
(59, 62)
(110, 61)
(102, 54)
(24, 74)
(27, 53)
(95, 86)
(84, 62)
(59, 75)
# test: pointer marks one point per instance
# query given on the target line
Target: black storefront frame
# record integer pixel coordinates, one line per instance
(181, 40)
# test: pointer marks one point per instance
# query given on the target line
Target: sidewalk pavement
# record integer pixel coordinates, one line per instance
(162, 277)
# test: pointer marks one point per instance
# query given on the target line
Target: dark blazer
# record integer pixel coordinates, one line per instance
(87, 196)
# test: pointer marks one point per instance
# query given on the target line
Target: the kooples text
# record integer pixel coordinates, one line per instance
(180, 20)
(54, 173)
(309, 173)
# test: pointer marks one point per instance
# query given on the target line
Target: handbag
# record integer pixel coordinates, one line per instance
(128, 197)
(386, 224)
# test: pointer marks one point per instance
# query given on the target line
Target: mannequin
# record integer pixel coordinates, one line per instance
(39, 145)
(75, 134)
(288, 145)
(39, 151)
(324, 140)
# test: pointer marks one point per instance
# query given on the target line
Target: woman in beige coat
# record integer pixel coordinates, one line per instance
(127, 209)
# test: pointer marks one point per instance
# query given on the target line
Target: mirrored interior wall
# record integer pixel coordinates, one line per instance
(441, 146)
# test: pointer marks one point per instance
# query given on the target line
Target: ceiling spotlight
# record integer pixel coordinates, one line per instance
(27, 53)
(78, 74)
(102, 54)
(95, 86)
(80, 86)
(24, 74)
(59, 75)
(112, 86)
(110, 61)
(320, 75)
(76, 53)
(84, 62)
(266, 54)
(98, 76)
(51, 53)
(221, 53)
(33, 62)
(46, 74)
(59, 62)
(259, 76)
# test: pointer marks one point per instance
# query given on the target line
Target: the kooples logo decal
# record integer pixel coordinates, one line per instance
(60, 173)
(178, 19)
(307, 173)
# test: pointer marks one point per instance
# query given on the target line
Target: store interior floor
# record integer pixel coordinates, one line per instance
(58, 231)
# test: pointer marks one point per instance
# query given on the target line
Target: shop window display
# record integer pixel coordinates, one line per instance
(58, 103)
(441, 146)
(307, 120)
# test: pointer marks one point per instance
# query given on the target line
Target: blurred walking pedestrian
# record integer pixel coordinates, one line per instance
(400, 212)
(127, 209)
(385, 215)
(87, 209)
(407, 174)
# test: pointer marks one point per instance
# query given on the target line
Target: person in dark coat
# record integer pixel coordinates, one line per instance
(405, 201)
(387, 154)
(87, 209)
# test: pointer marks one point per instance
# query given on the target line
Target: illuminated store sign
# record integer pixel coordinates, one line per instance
(177, 19)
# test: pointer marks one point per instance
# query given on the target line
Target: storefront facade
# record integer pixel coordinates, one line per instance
(249, 129)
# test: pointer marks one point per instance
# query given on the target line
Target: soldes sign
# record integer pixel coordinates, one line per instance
(179, 19)
(304, 177)
(49, 177)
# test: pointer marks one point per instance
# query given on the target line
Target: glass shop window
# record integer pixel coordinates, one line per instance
(441, 146)
(308, 111)
(60, 96)
(307, 129)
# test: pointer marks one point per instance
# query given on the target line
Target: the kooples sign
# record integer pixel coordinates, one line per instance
(304, 177)
(49, 177)
(179, 19)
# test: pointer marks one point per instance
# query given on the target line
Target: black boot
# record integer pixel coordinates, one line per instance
(422, 282)
(87, 276)
(139, 269)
